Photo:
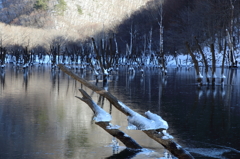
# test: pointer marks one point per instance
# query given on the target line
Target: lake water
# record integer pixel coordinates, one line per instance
(41, 118)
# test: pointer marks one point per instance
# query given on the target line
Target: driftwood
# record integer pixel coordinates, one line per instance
(124, 138)
(157, 135)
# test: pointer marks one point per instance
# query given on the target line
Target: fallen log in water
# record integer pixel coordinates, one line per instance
(103, 120)
(157, 133)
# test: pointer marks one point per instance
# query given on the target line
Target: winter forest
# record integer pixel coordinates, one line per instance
(165, 68)
(156, 33)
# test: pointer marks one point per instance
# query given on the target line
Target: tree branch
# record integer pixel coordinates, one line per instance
(123, 137)
(157, 135)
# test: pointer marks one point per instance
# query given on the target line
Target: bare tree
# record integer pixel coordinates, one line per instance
(196, 66)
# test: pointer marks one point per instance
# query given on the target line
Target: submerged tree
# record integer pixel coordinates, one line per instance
(196, 66)
(105, 56)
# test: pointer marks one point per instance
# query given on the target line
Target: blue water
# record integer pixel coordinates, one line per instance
(41, 118)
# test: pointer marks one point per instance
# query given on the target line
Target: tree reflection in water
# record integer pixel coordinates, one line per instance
(40, 117)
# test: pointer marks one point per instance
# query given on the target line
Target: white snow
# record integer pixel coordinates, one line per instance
(100, 114)
(152, 122)
(159, 121)
(200, 75)
(166, 135)
(126, 108)
(138, 122)
(179, 147)
(105, 72)
(214, 75)
(223, 76)
(113, 126)
(115, 144)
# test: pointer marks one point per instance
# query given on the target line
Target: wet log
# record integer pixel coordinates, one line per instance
(123, 137)
(157, 135)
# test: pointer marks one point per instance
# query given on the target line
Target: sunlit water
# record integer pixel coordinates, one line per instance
(41, 118)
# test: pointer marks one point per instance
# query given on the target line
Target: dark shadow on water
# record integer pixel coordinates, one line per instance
(231, 154)
(25, 78)
(3, 79)
(124, 154)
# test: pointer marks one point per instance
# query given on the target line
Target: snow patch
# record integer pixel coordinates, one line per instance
(126, 108)
(159, 121)
(113, 126)
(101, 115)
(200, 75)
(223, 76)
(166, 135)
(105, 72)
(152, 122)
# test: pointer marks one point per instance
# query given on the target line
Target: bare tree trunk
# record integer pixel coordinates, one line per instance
(98, 55)
(223, 61)
(231, 53)
(150, 42)
(213, 64)
(160, 23)
(233, 59)
(195, 62)
(204, 60)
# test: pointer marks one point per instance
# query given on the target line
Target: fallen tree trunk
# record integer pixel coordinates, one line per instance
(123, 137)
(158, 135)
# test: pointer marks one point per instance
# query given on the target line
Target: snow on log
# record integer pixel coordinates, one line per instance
(150, 122)
(157, 135)
(103, 118)
(100, 115)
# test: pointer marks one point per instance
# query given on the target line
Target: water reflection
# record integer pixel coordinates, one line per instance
(33, 124)
(206, 117)
(126, 153)
(2, 79)
(211, 115)
(74, 140)
(40, 117)
(25, 78)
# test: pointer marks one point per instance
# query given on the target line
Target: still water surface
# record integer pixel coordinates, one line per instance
(41, 118)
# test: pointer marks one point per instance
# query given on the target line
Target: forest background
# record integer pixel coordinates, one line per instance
(38, 24)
